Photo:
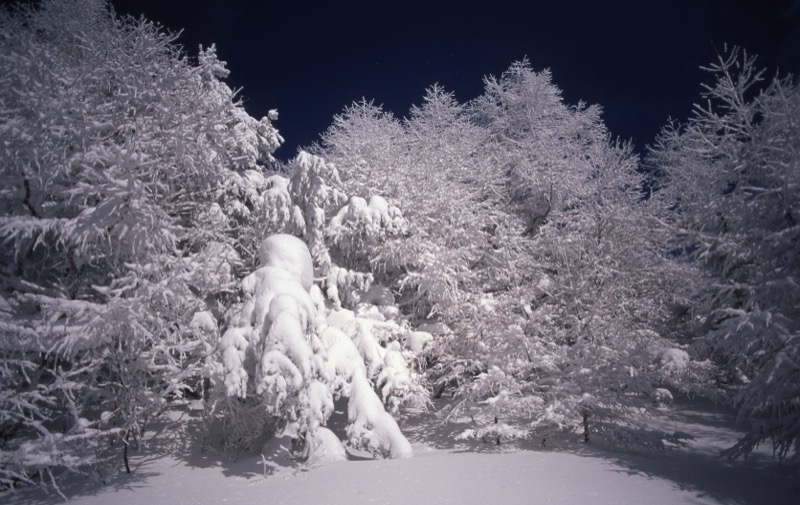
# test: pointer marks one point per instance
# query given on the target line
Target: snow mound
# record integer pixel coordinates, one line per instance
(325, 447)
(289, 254)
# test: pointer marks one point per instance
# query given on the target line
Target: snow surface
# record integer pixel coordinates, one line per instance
(446, 472)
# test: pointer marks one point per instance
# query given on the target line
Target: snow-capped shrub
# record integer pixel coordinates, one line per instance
(324, 446)
(674, 360)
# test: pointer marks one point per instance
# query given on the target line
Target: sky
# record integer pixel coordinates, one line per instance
(638, 59)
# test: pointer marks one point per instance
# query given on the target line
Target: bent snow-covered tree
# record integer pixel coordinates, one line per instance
(125, 172)
(293, 347)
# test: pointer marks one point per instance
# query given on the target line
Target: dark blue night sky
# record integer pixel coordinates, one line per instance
(638, 59)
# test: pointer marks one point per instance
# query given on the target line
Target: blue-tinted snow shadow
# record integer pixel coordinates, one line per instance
(699, 468)
(188, 443)
(270, 456)
(91, 482)
(735, 483)
(179, 434)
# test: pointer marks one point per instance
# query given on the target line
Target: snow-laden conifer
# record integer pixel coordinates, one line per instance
(731, 178)
(309, 332)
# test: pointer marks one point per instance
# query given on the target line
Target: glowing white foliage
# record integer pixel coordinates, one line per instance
(529, 253)
(130, 174)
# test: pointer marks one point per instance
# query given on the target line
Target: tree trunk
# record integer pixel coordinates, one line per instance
(125, 452)
(586, 427)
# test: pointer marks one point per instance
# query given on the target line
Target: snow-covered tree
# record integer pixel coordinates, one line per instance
(427, 166)
(125, 172)
(731, 177)
(367, 140)
(293, 347)
(528, 238)
(572, 343)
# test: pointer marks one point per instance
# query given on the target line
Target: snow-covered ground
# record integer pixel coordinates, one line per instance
(443, 472)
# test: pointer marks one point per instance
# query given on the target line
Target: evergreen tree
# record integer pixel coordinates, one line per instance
(731, 178)
(292, 347)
